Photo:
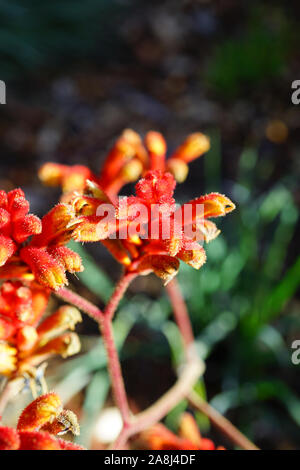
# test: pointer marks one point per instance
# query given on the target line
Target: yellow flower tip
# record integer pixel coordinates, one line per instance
(188, 429)
(178, 168)
(164, 266)
(193, 147)
(155, 143)
(125, 260)
(51, 174)
(8, 359)
(70, 345)
(26, 338)
(131, 136)
(73, 182)
(132, 170)
(227, 204)
(136, 240)
(39, 412)
(65, 318)
(194, 256)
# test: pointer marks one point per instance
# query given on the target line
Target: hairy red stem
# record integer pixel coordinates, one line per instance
(118, 293)
(83, 304)
(104, 319)
(115, 371)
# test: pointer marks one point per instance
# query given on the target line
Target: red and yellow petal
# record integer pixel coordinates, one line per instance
(65, 318)
(39, 412)
(164, 266)
(210, 205)
(8, 359)
(70, 260)
(46, 269)
(192, 254)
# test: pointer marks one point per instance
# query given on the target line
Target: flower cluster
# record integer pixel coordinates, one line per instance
(31, 248)
(25, 342)
(128, 232)
(189, 437)
(38, 424)
(125, 225)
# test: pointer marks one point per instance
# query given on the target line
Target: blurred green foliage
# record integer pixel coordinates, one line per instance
(257, 54)
(32, 32)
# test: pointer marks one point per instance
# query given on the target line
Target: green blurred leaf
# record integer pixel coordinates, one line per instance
(93, 277)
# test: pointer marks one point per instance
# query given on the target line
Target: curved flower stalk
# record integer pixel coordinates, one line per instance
(38, 424)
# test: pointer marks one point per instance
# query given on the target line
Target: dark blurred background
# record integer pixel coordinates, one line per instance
(78, 73)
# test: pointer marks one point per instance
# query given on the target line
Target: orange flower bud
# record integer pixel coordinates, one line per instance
(193, 147)
(40, 298)
(214, 204)
(47, 270)
(52, 173)
(157, 148)
(193, 254)
(188, 429)
(165, 267)
(39, 412)
(75, 178)
(131, 171)
(65, 345)
(71, 178)
(70, 260)
(8, 359)
(26, 338)
(65, 318)
(178, 168)
(54, 226)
